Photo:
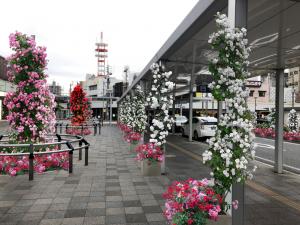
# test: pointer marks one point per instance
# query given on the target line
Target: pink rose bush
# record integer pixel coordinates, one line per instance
(192, 202)
(31, 108)
(149, 152)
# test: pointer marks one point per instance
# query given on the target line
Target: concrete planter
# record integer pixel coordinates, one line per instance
(132, 147)
(223, 220)
(150, 169)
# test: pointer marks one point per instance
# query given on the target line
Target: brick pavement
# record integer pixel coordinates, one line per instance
(110, 190)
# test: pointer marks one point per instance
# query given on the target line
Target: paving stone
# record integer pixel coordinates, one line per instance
(43, 201)
(78, 205)
(115, 219)
(132, 203)
(96, 205)
(33, 216)
(133, 210)
(70, 213)
(118, 204)
(54, 214)
(95, 212)
(51, 222)
(136, 218)
(57, 207)
(152, 209)
(94, 220)
(39, 208)
(154, 217)
(115, 211)
(73, 221)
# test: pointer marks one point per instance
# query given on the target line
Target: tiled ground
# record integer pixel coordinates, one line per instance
(108, 191)
(111, 190)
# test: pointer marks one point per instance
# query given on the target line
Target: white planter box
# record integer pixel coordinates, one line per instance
(150, 169)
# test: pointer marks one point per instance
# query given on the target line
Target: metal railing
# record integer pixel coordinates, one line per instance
(96, 126)
(58, 140)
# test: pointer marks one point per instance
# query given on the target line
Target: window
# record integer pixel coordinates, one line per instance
(261, 93)
(195, 120)
(93, 87)
(295, 72)
(251, 93)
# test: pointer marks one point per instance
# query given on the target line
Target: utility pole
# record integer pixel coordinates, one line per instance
(126, 70)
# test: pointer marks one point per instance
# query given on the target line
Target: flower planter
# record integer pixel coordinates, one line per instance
(132, 147)
(150, 169)
(222, 220)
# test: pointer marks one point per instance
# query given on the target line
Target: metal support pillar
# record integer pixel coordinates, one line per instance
(238, 17)
(191, 95)
(31, 164)
(220, 110)
(110, 111)
(279, 120)
(173, 109)
(279, 101)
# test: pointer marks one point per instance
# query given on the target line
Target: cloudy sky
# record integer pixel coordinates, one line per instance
(133, 29)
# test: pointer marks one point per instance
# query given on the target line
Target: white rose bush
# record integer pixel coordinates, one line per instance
(159, 101)
(231, 150)
(293, 120)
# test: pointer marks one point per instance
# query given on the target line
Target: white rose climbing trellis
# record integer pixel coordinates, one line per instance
(231, 149)
(159, 101)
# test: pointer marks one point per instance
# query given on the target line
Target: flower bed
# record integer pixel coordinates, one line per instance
(17, 165)
(133, 137)
(192, 202)
(270, 133)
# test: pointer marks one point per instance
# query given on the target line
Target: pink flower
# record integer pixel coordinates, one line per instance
(235, 204)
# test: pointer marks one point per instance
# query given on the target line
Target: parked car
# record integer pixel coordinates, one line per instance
(202, 127)
(179, 121)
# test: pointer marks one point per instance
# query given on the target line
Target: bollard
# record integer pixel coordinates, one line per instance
(58, 140)
(31, 157)
(70, 157)
(86, 152)
(60, 129)
(80, 151)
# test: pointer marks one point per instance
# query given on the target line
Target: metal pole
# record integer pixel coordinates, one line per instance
(238, 17)
(110, 111)
(173, 109)
(279, 101)
(220, 110)
(31, 158)
(255, 104)
(191, 95)
(80, 151)
(70, 157)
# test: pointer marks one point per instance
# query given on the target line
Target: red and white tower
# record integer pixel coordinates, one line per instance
(101, 55)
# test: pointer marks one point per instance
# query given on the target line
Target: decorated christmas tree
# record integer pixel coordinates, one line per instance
(31, 106)
(80, 106)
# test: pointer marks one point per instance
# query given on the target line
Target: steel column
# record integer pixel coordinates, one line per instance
(173, 109)
(238, 16)
(220, 110)
(191, 94)
(279, 101)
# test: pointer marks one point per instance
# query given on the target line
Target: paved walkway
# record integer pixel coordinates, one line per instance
(111, 190)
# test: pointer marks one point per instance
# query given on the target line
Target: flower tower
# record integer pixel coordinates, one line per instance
(231, 149)
(80, 106)
(293, 120)
(31, 106)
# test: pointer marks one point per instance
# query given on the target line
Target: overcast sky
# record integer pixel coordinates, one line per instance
(133, 29)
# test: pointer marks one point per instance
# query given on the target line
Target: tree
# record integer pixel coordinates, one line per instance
(80, 106)
(31, 107)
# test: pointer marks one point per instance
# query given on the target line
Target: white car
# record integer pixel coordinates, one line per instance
(202, 127)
